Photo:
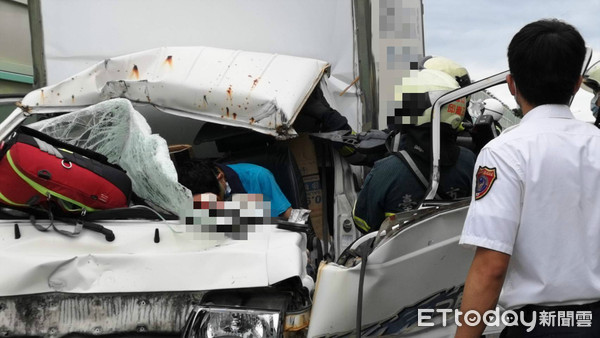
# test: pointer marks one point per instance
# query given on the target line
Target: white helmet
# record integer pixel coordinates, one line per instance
(591, 78)
(493, 108)
(419, 92)
(458, 72)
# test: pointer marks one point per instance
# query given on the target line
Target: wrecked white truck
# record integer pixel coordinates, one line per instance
(155, 273)
(150, 269)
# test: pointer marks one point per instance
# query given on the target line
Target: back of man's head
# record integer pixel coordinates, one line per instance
(545, 59)
(199, 176)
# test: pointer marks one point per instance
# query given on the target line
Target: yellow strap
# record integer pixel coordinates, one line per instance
(41, 189)
(359, 221)
(7, 201)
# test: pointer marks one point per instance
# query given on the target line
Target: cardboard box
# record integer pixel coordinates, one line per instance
(312, 184)
(306, 158)
(305, 155)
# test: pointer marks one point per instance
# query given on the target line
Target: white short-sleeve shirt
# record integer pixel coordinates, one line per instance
(537, 198)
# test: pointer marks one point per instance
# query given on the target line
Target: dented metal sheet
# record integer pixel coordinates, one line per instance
(183, 260)
(260, 91)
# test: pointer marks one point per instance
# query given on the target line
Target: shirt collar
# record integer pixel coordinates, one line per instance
(544, 111)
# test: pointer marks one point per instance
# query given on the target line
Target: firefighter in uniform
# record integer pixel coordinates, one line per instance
(399, 182)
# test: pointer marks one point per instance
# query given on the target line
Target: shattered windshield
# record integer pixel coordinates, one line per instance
(116, 130)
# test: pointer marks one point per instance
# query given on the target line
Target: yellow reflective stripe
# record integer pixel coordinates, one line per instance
(40, 188)
(388, 214)
(359, 221)
(347, 151)
(64, 205)
(7, 201)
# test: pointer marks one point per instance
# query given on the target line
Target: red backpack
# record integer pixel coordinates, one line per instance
(37, 170)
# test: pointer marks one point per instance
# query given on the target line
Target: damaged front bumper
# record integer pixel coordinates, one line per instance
(281, 310)
(58, 314)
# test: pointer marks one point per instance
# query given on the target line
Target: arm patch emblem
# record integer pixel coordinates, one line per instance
(485, 178)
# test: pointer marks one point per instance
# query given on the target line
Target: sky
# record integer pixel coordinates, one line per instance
(476, 33)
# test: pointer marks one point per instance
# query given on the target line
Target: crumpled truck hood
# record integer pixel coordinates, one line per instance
(182, 260)
(258, 91)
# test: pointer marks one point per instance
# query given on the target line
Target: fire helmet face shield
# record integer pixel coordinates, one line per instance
(591, 78)
(418, 93)
(493, 108)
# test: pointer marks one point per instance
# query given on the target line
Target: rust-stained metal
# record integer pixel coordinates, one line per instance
(255, 82)
(135, 73)
(227, 110)
(169, 61)
(252, 120)
(59, 314)
(266, 84)
(234, 116)
(24, 108)
(229, 93)
(72, 98)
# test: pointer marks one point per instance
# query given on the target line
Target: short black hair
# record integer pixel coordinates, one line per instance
(545, 59)
(200, 176)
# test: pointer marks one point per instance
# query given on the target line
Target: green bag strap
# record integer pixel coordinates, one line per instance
(41, 189)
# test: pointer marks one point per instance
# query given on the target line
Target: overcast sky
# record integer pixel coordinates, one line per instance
(476, 33)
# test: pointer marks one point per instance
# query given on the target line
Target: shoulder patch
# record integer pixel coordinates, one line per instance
(485, 178)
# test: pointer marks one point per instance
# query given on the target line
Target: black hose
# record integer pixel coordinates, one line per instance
(108, 234)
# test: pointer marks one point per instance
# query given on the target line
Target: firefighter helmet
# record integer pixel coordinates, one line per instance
(493, 108)
(458, 72)
(418, 94)
(591, 78)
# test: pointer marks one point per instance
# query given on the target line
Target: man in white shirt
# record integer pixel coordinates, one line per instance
(535, 213)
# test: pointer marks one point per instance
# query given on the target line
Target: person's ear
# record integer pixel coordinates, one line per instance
(511, 84)
(578, 84)
(220, 175)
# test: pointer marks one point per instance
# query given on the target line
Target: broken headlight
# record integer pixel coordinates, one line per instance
(209, 322)
(280, 310)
